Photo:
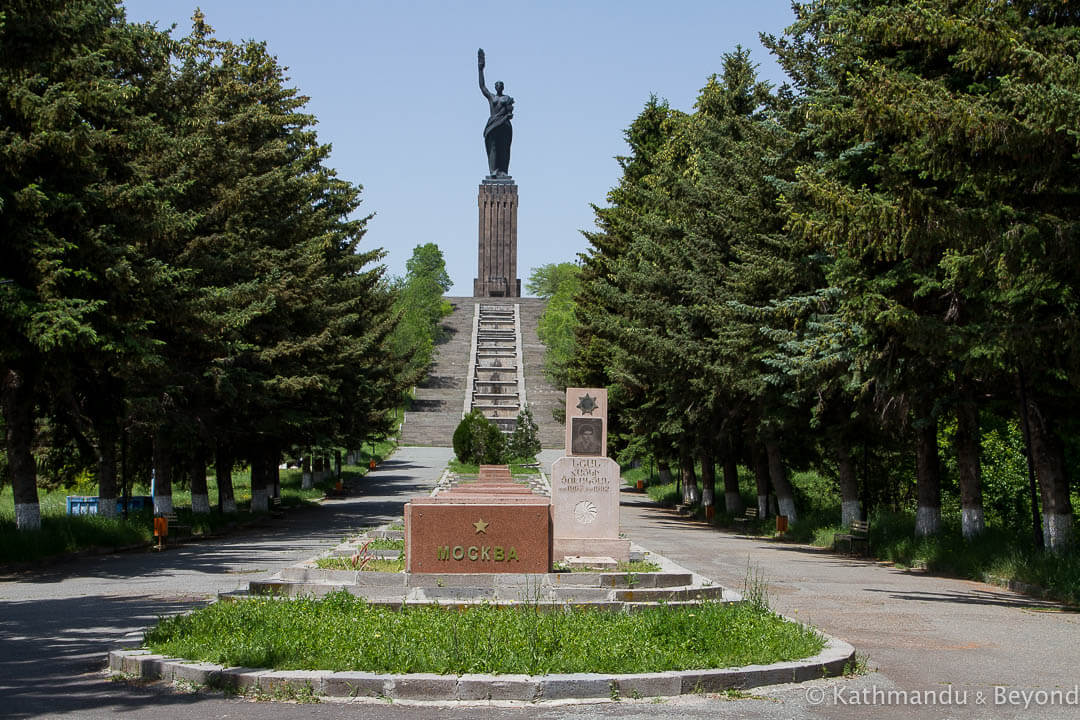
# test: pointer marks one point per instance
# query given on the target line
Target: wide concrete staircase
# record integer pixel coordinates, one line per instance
(497, 385)
(438, 401)
(543, 397)
(496, 348)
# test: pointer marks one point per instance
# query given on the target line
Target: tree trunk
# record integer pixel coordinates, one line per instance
(928, 478)
(785, 495)
(260, 500)
(967, 443)
(307, 481)
(690, 492)
(223, 465)
(317, 471)
(17, 394)
(200, 495)
(106, 462)
(163, 502)
(665, 471)
(1048, 452)
(850, 505)
(273, 470)
(708, 478)
(732, 498)
(337, 464)
(761, 477)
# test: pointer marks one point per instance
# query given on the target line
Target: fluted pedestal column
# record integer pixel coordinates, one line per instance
(496, 274)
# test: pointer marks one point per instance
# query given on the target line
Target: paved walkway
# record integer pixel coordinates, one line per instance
(56, 625)
(921, 633)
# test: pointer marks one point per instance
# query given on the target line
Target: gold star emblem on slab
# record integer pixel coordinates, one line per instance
(481, 527)
(587, 404)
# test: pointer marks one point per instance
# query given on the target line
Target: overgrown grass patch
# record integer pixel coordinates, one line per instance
(392, 565)
(342, 632)
(386, 544)
(995, 554)
(62, 534)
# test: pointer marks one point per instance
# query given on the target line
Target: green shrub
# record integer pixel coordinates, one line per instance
(525, 441)
(478, 440)
(491, 447)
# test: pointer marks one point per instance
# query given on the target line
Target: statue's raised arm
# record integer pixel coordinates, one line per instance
(498, 133)
(480, 67)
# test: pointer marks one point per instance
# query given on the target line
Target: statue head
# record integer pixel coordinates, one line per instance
(498, 87)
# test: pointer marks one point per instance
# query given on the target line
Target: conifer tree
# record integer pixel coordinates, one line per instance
(72, 204)
(947, 194)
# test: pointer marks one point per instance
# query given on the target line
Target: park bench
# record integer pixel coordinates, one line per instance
(859, 534)
(749, 518)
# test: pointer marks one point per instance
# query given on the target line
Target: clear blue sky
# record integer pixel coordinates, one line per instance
(393, 84)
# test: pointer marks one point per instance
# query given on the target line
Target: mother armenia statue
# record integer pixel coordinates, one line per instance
(498, 132)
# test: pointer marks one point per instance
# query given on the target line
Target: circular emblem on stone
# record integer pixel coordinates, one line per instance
(585, 512)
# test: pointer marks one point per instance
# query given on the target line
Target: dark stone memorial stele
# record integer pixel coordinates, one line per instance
(496, 274)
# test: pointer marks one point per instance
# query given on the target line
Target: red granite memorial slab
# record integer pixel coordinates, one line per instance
(478, 534)
(494, 471)
(492, 489)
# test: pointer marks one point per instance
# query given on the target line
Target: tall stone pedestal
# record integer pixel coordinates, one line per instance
(497, 261)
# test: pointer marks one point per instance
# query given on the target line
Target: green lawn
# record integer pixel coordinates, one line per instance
(999, 554)
(342, 632)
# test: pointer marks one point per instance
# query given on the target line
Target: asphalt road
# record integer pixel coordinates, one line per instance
(946, 640)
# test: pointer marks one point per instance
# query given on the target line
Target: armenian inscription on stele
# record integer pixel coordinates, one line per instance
(585, 495)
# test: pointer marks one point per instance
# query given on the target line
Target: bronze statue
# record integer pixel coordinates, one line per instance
(498, 133)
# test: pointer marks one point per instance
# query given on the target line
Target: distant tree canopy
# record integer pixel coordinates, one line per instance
(884, 249)
(559, 284)
(179, 267)
(420, 306)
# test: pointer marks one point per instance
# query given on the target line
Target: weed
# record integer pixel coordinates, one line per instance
(756, 588)
(613, 691)
(188, 687)
(859, 666)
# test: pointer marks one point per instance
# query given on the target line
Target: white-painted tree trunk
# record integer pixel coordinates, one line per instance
(707, 496)
(763, 506)
(786, 506)
(732, 502)
(229, 506)
(927, 521)
(163, 504)
(106, 507)
(260, 500)
(28, 516)
(306, 481)
(1057, 531)
(200, 504)
(972, 521)
(850, 511)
